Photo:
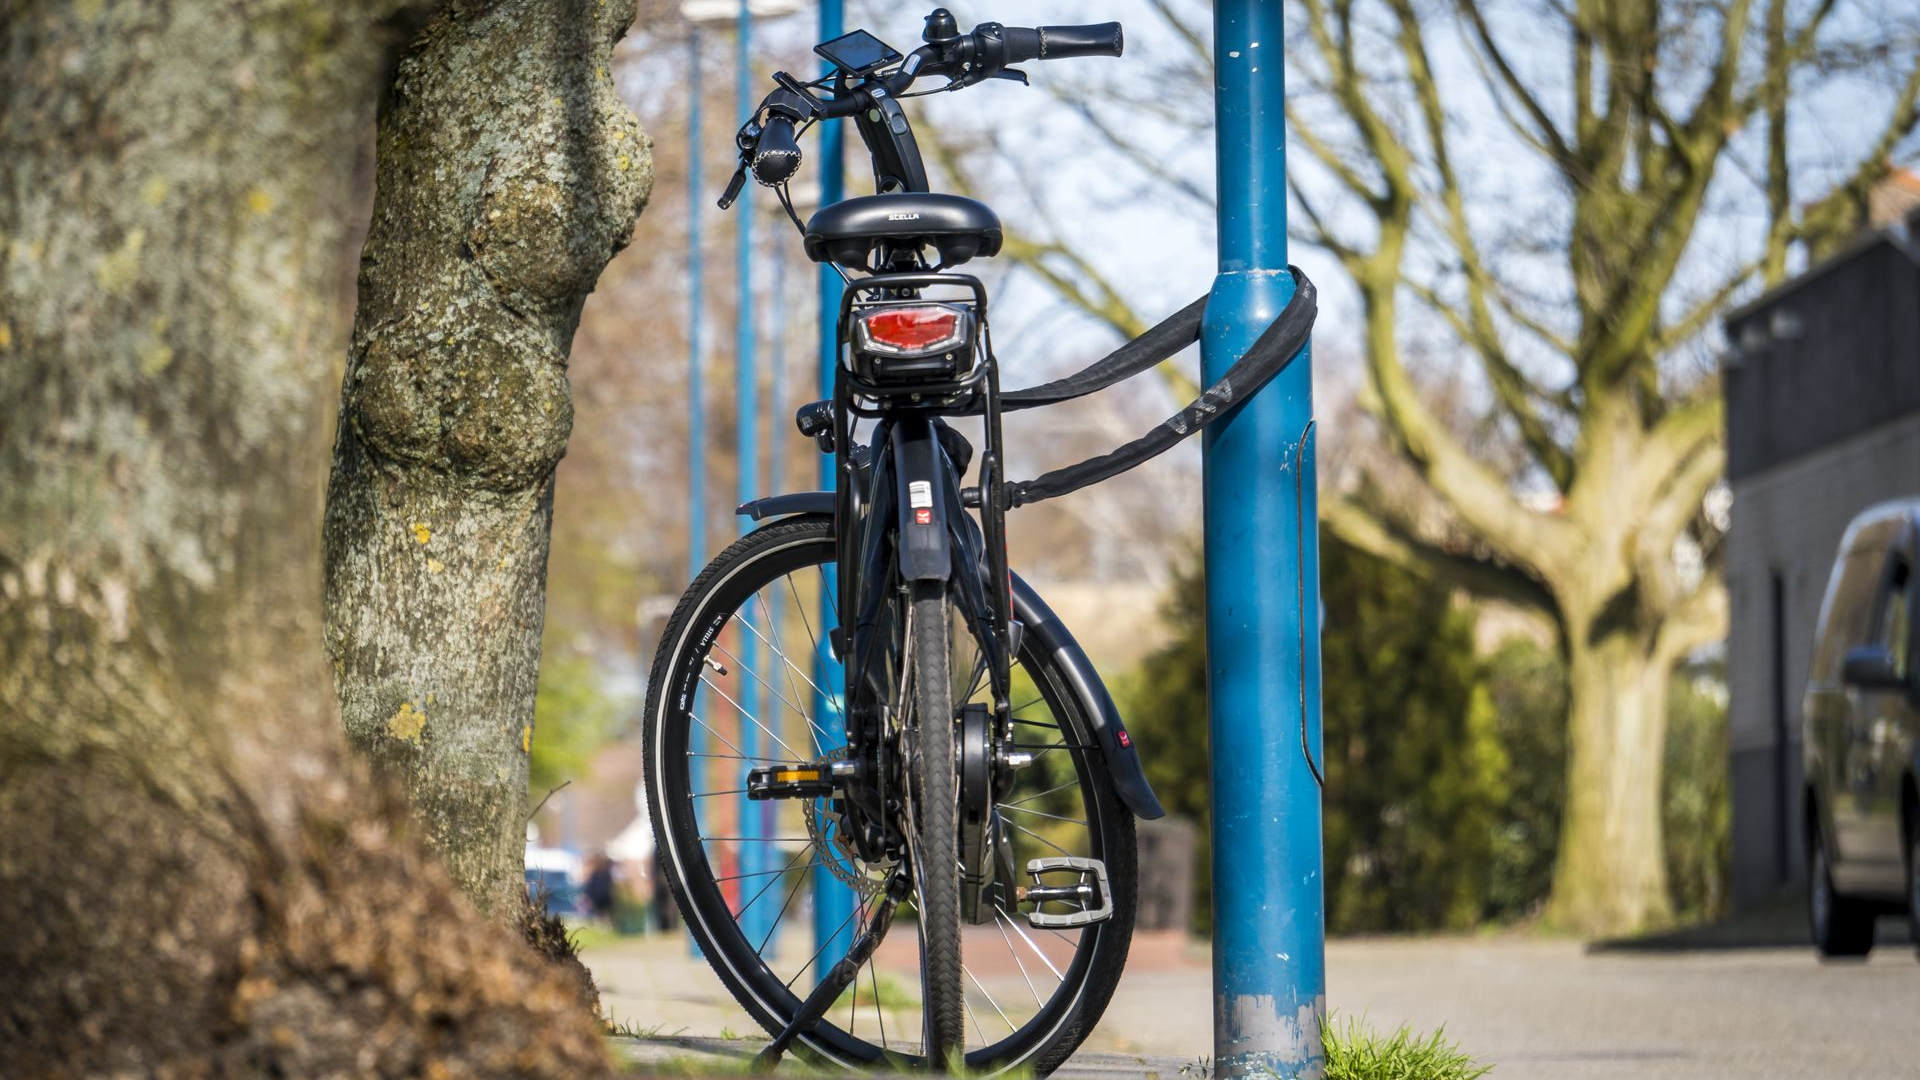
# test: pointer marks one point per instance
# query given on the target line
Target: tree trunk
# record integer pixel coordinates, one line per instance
(509, 173)
(1611, 874)
(195, 874)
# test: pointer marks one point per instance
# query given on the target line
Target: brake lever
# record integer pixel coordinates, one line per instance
(733, 186)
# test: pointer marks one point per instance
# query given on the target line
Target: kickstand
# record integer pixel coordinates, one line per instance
(840, 977)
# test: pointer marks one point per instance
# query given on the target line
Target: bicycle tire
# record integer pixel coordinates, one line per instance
(1086, 977)
(935, 809)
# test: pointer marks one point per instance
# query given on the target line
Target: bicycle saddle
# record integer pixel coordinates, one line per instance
(958, 228)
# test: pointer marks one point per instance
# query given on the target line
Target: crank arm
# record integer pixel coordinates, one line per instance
(840, 977)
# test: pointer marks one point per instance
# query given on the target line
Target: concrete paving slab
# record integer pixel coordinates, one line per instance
(1533, 1008)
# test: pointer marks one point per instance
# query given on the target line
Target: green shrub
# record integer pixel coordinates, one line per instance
(1446, 775)
(1415, 774)
(1527, 684)
(1696, 814)
(572, 719)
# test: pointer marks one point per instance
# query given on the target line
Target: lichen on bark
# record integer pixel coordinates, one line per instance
(509, 173)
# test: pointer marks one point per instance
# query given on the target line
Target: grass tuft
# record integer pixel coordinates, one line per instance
(1355, 1053)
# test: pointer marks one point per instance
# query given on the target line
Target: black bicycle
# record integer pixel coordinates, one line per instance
(963, 766)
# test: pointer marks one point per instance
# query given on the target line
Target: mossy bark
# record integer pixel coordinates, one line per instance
(509, 173)
(196, 876)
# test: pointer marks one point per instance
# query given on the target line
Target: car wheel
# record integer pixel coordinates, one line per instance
(1841, 925)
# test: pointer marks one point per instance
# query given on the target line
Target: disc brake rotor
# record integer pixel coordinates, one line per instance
(828, 831)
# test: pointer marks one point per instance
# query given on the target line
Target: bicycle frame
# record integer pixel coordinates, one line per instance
(1045, 633)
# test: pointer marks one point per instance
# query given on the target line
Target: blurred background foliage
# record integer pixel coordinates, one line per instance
(1445, 768)
(574, 717)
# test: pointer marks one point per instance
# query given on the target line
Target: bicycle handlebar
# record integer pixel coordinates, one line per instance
(770, 147)
(1063, 42)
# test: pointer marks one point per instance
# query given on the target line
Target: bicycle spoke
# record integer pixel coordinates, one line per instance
(782, 698)
(833, 602)
(977, 681)
(1040, 838)
(1031, 944)
(776, 648)
(737, 707)
(764, 873)
(768, 885)
(1043, 794)
(742, 754)
(801, 606)
(1038, 813)
(1011, 1026)
(844, 923)
(792, 668)
(879, 1015)
(1044, 747)
(798, 881)
(819, 735)
(1017, 962)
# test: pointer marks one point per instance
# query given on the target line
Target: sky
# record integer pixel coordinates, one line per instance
(1054, 176)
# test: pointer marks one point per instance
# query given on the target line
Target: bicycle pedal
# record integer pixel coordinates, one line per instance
(789, 782)
(1090, 892)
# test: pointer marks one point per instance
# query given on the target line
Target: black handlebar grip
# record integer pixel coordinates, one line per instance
(776, 155)
(1063, 42)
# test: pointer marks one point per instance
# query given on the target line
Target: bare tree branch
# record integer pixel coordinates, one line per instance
(1373, 531)
(1544, 128)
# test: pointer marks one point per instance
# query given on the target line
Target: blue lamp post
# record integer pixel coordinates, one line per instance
(696, 416)
(832, 899)
(1263, 595)
(757, 919)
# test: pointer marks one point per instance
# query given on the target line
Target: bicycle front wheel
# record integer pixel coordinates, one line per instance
(1025, 996)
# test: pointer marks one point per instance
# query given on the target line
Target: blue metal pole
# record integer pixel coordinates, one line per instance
(757, 920)
(779, 423)
(697, 419)
(1262, 571)
(832, 899)
(696, 318)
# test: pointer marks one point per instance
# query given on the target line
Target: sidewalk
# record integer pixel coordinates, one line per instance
(1533, 1008)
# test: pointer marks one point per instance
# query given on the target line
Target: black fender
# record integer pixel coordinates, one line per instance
(1048, 634)
(797, 502)
(923, 499)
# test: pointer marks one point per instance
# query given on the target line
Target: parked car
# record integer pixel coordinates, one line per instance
(553, 875)
(1862, 731)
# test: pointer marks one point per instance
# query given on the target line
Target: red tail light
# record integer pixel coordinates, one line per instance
(913, 331)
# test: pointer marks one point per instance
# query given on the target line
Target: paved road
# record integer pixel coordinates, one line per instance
(1533, 1008)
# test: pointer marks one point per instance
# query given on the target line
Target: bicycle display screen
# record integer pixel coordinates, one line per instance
(858, 53)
